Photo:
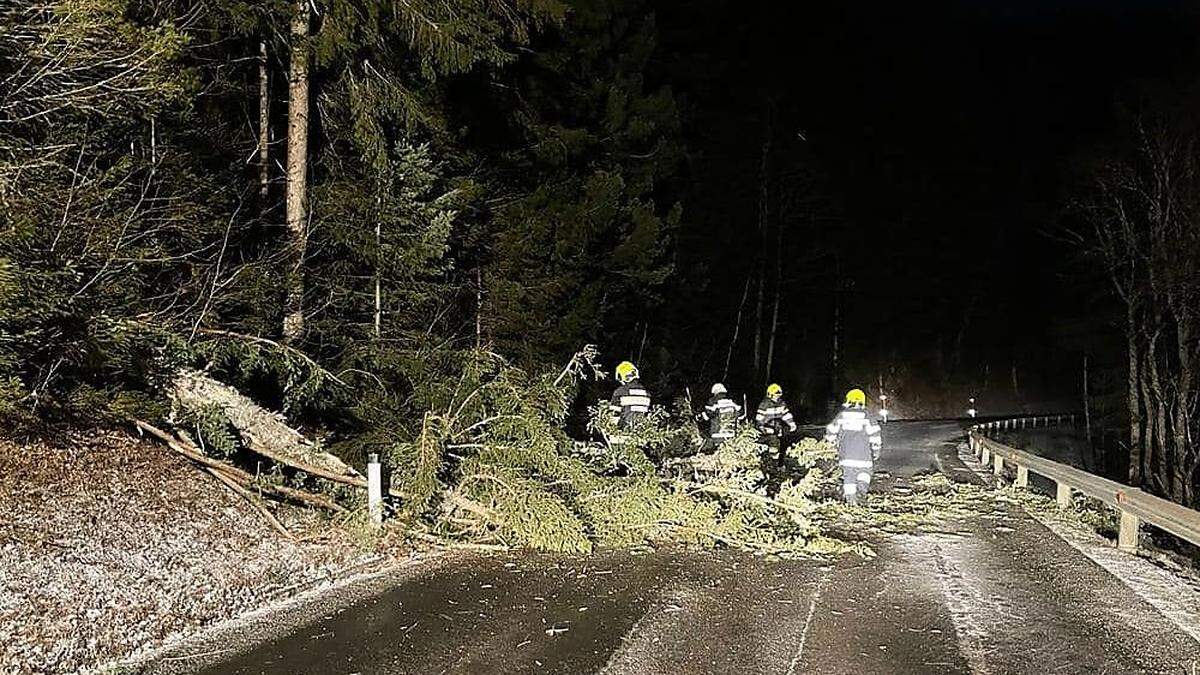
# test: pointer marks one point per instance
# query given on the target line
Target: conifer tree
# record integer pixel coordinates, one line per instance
(581, 253)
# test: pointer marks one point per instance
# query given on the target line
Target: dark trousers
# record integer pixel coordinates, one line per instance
(774, 462)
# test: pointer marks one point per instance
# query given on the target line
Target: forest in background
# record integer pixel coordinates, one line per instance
(371, 187)
(348, 209)
(401, 224)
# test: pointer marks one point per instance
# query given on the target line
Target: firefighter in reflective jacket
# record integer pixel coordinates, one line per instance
(859, 440)
(630, 402)
(773, 416)
(722, 415)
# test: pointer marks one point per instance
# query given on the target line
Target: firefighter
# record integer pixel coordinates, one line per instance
(772, 419)
(773, 416)
(630, 402)
(722, 415)
(859, 440)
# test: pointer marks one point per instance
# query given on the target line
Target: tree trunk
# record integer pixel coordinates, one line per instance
(478, 307)
(764, 206)
(778, 293)
(758, 321)
(264, 127)
(1183, 404)
(1087, 407)
(1149, 443)
(737, 328)
(378, 270)
(771, 339)
(642, 344)
(297, 172)
(1137, 457)
(1156, 406)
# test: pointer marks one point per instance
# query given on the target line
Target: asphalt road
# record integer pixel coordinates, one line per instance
(1001, 594)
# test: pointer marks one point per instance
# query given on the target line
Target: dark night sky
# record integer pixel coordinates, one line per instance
(943, 134)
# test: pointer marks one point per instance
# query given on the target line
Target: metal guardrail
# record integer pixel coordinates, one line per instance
(1133, 504)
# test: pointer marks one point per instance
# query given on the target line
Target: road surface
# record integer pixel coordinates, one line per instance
(1000, 595)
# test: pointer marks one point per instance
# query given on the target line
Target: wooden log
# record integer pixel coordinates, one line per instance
(263, 431)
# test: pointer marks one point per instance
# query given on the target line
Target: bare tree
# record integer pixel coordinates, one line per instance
(764, 219)
(1145, 218)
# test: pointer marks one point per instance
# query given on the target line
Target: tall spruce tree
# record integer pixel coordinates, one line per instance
(578, 248)
(386, 53)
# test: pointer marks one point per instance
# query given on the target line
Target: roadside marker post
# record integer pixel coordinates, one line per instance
(374, 489)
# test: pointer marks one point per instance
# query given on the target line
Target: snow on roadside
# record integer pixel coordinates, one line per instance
(110, 545)
(1176, 594)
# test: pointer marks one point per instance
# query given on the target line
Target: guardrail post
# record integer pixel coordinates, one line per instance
(1127, 537)
(998, 464)
(986, 457)
(1063, 496)
(1022, 476)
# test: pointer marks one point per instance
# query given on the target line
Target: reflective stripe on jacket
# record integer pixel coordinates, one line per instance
(630, 404)
(722, 414)
(772, 416)
(857, 436)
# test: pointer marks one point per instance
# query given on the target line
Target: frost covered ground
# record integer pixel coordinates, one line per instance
(110, 546)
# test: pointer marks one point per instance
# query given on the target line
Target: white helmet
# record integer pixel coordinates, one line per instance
(718, 388)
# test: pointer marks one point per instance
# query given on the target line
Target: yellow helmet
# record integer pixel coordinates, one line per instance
(626, 371)
(774, 391)
(856, 397)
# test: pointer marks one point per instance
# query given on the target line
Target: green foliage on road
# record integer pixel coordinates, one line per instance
(500, 470)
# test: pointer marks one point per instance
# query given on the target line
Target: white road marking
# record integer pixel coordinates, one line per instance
(812, 608)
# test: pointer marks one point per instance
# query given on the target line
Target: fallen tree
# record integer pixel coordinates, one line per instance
(490, 466)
